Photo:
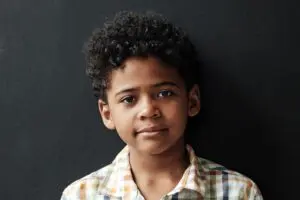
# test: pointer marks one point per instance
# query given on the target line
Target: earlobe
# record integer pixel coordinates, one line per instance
(105, 113)
(194, 101)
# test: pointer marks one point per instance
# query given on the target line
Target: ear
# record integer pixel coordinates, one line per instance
(105, 113)
(194, 101)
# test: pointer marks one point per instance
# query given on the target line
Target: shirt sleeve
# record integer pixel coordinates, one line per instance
(63, 197)
(83, 189)
(71, 193)
(253, 193)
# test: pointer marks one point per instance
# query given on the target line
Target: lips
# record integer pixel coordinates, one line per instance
(152, 130)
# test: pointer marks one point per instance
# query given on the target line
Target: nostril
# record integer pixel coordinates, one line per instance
(156, 114)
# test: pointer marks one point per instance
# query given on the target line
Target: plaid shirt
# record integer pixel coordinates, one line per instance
(203, 179)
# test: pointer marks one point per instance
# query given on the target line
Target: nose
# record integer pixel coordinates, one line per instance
(149, 109)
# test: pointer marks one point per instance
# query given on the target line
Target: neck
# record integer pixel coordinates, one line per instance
(170, 164)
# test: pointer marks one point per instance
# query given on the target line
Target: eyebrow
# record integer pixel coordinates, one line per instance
(156, 85)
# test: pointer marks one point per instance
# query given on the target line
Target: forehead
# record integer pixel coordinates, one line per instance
(143, 72)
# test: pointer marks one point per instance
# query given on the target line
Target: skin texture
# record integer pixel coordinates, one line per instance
(148, 105)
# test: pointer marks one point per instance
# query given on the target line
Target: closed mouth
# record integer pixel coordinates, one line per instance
(151, 130)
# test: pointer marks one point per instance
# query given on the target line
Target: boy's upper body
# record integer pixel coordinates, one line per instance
(144, 72)
(202, 179)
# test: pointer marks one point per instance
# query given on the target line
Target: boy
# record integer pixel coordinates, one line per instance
(144, 75)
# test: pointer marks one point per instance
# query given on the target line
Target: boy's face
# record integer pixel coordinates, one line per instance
(148, 105)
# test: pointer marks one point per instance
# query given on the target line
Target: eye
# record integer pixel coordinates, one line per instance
(128, 99)
(165, 93)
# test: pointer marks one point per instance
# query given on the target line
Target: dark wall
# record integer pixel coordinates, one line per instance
(50, 131)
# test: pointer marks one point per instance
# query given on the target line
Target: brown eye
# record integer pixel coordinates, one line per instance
(165, 93)
(128, 100)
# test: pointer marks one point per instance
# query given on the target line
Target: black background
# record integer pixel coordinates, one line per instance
(51, 133)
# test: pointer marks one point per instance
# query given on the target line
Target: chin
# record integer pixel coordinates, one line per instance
(153, 149)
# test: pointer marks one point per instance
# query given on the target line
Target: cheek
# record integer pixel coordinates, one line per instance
(122, 120)
(176, 112)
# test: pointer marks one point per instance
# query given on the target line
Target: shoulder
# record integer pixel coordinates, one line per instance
(102, 182)
(88, 186)
(226, 182)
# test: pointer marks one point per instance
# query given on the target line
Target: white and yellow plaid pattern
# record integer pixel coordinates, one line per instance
(202, 180)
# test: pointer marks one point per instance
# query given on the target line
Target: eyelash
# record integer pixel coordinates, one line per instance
(169, 94)
(126, 98)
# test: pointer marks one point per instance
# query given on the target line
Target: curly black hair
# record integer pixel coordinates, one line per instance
(138, 34)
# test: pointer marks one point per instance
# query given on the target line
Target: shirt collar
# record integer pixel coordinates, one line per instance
(120, 183)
